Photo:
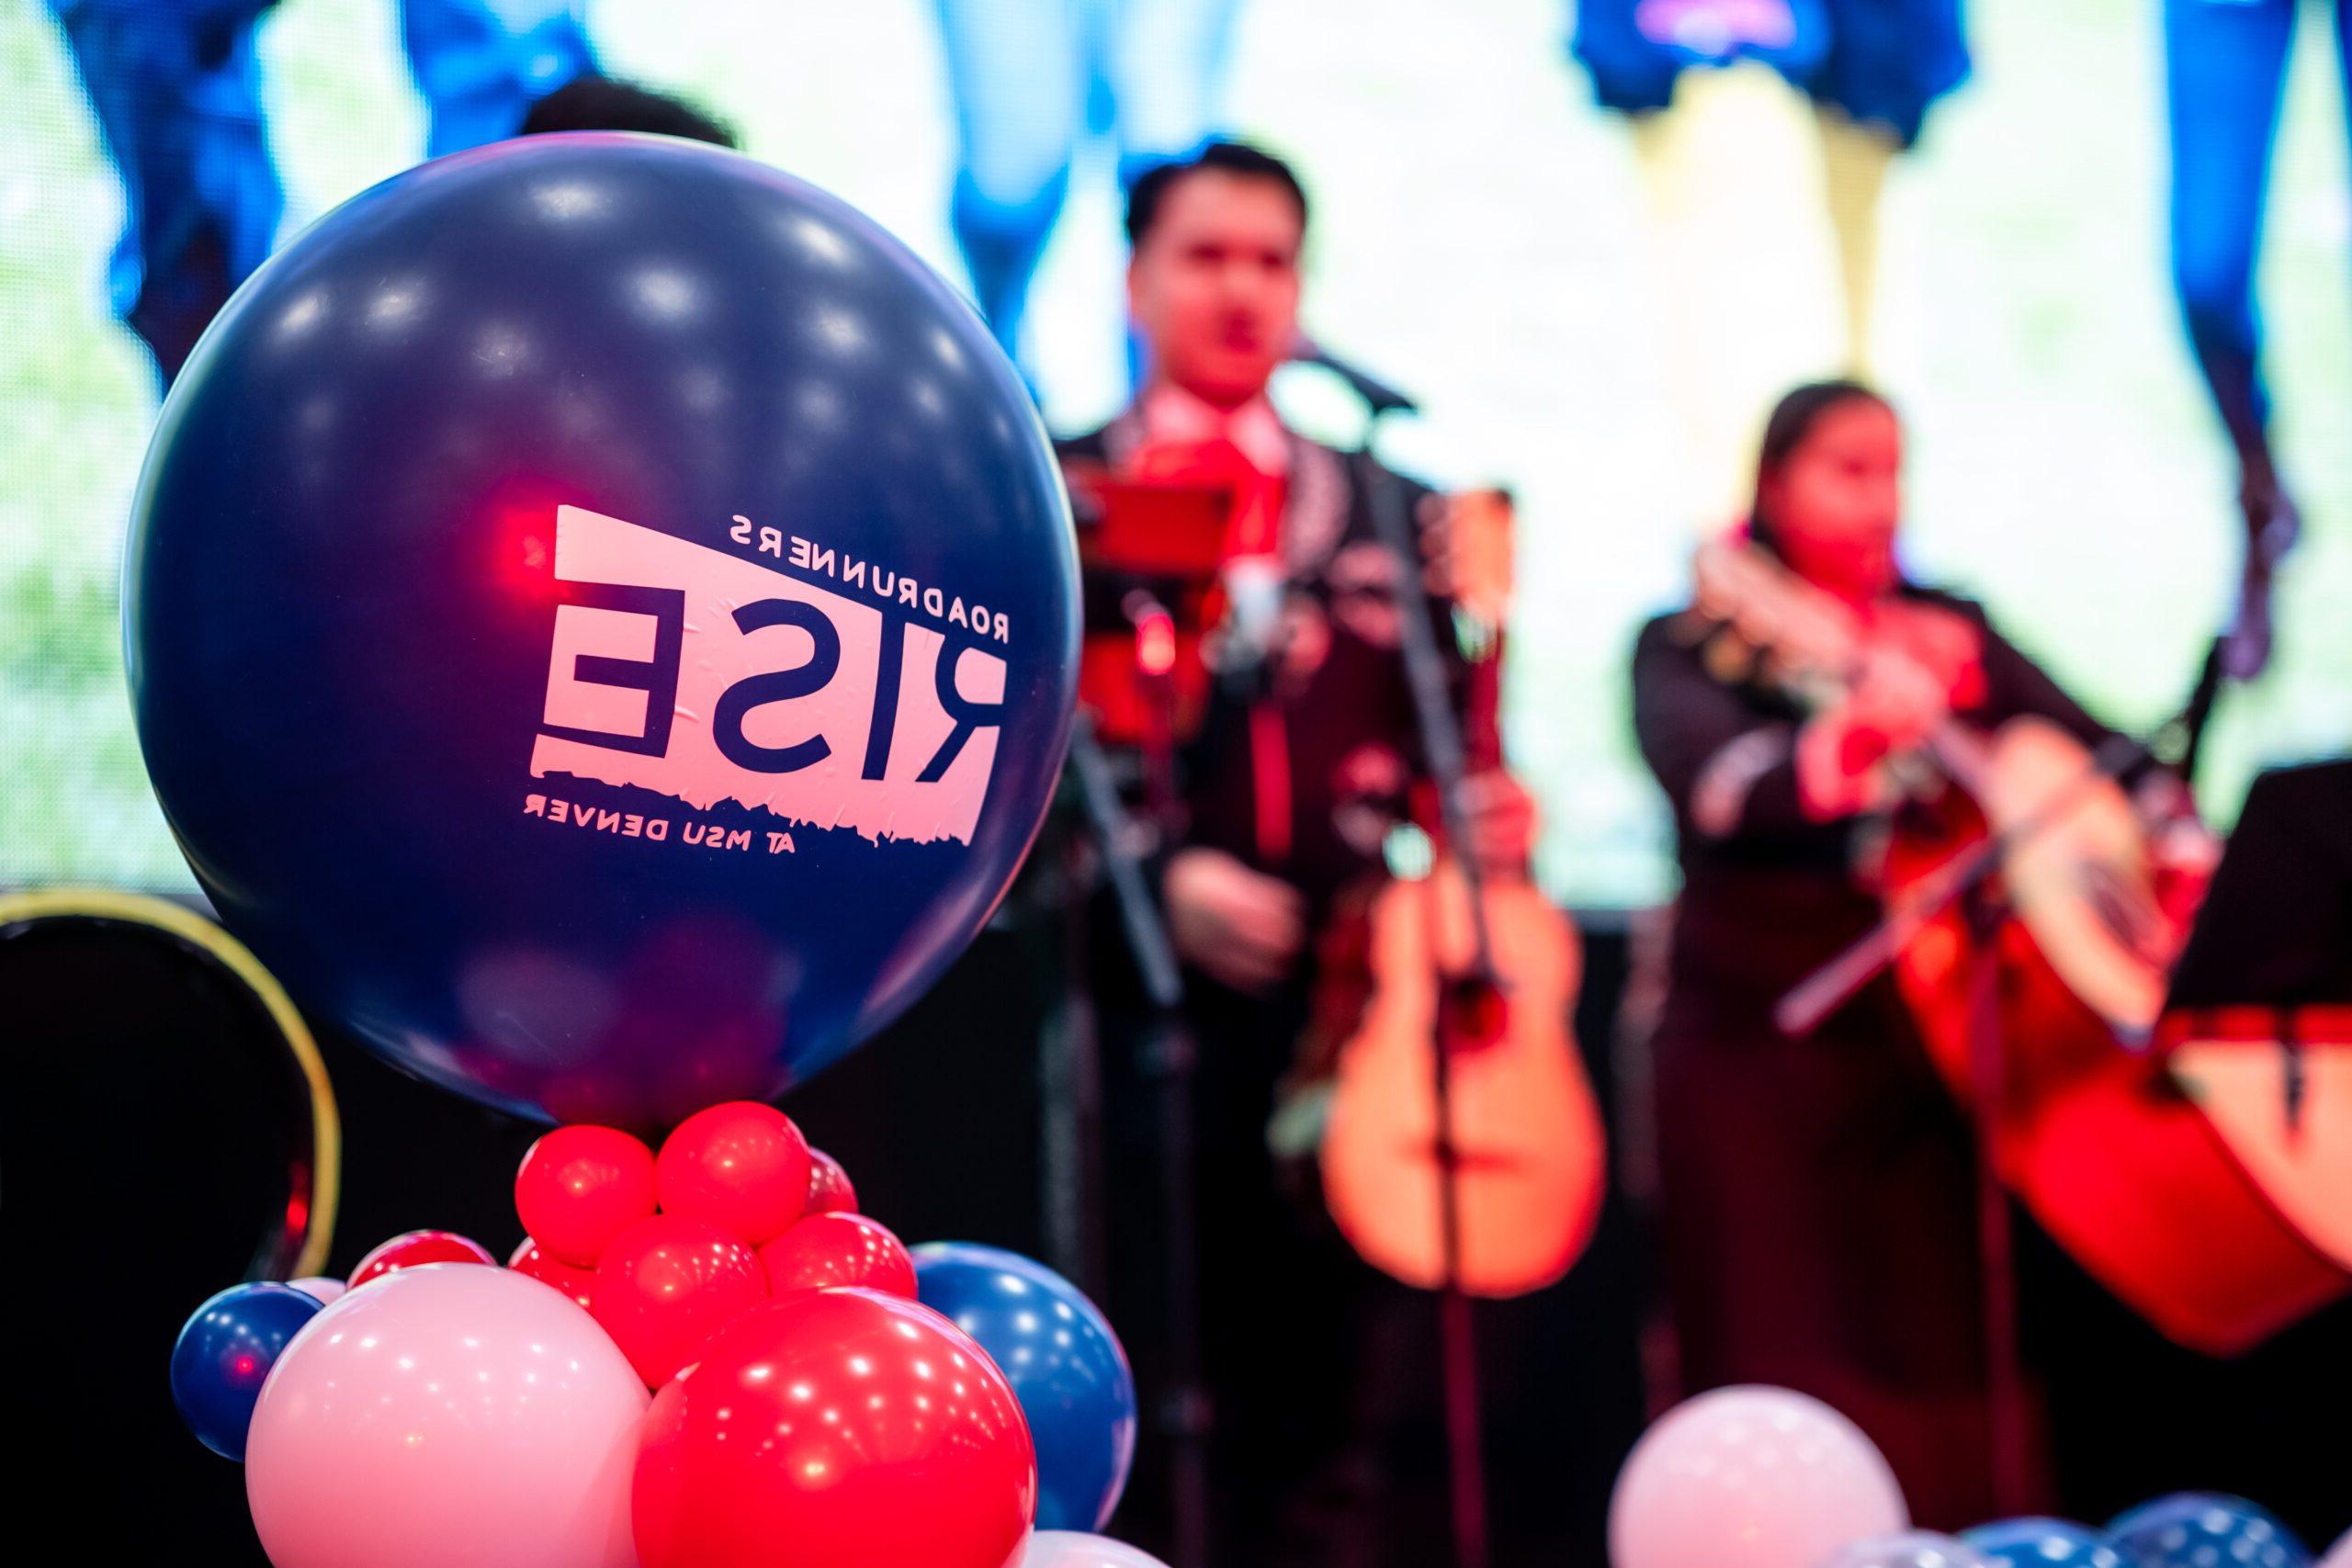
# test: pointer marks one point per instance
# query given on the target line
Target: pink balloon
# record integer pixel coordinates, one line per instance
(2340, 1555)
(447, 1414)
(319, 1287)
(1750, 1478)
(1075, 1549)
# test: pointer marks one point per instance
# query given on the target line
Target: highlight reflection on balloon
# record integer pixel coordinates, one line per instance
(1064, 1362)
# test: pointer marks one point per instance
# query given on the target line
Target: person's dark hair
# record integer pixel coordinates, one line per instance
(1791, 420)
(591, 102)
(1239, 159)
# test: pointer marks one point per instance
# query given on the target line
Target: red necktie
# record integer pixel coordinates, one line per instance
(1254, 530)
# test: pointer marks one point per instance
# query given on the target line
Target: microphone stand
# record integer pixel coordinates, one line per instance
(1170, 1056)
(1440, 737)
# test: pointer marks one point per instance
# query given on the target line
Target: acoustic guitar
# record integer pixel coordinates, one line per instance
(2294, 1139)
(2137, 1161)
(1529, 1155)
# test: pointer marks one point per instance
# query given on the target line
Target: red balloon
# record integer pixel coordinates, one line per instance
(829, 1189)
(838, 1249)
(580, 1187)
(742, 1166)
(412, 1249)
(666, 1284)
(532, 1259)
(836, 1429)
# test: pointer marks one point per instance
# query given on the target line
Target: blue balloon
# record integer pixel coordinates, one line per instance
(601, 621)
(2193, 1529)
(1065, 1365)
(2043, 1544)
(225, 1353)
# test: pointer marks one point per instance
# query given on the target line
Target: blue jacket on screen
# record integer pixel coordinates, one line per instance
(1881, 62)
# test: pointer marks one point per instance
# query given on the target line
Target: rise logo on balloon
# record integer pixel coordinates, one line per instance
(824, 698)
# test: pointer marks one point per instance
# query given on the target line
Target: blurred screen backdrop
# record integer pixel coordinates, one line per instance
(1596, 325)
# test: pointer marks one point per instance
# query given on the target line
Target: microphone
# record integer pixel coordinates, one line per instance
(1378, 395)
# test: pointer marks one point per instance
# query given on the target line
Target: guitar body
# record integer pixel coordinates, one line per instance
(2135, 1178)
(1531, 1155)
(2083, 882)
(2297, 1145)
(2131, 1173)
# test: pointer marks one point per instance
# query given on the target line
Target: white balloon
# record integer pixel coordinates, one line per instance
(1750, 1477)
(1075, 1549)
(1913, 1548)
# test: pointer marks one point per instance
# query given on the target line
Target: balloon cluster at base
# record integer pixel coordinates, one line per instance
(692, 1355)
(1757, 1477)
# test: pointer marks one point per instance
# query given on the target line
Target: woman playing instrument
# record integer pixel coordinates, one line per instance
(1818, 1193)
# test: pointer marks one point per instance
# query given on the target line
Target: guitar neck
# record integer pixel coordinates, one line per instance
(1961, 755)
(1482, 732)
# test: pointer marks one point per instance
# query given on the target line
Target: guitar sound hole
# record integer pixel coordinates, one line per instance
(1473, 1014)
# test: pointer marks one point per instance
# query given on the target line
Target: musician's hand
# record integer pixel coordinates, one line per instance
(1894, 705)
(1897, 700)
(1501, 822)
(1241, 926)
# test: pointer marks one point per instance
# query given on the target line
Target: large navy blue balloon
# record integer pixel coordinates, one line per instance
(223, 1355)
(2042, 1543)
(1065, 1365)
(2194, 1529)
(602, 623)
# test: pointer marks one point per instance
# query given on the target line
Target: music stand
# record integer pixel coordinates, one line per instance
(2257, 1020)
